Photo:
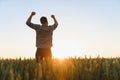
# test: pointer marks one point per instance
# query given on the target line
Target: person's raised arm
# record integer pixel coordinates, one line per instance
(28, 22)
(55, 21)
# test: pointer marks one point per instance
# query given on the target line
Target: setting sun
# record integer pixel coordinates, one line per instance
(60, 56)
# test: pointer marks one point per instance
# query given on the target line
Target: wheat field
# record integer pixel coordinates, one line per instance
(56, 69)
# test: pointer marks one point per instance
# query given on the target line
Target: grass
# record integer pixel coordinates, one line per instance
(67, 69)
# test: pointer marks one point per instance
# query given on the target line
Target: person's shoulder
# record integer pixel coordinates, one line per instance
(37, 24)
(53, 27)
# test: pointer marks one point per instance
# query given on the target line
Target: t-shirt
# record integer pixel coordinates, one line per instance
(43, 34)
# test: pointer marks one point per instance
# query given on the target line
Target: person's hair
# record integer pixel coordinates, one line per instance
(43, 20)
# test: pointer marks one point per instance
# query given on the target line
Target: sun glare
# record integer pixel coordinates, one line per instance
(60, 56)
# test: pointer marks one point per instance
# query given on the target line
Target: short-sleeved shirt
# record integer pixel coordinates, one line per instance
(43, 34)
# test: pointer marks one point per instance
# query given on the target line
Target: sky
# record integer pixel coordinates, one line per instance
(86, 27)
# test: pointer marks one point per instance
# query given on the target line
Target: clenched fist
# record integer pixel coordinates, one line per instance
(33, 13)
(52, 16)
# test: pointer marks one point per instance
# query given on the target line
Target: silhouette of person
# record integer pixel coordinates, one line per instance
(44, 34)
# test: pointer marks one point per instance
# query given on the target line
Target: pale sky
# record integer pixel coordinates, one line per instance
(86, 27)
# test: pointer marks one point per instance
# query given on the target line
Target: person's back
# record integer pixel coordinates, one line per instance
(43, 36)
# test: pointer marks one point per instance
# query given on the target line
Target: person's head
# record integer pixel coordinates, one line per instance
(43, 20)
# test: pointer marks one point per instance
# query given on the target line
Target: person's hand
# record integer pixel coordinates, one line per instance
(33, 13)
(52, 16)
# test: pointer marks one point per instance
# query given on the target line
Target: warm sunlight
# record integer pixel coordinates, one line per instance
(60, 40)
(63, 56)
(60, 56)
